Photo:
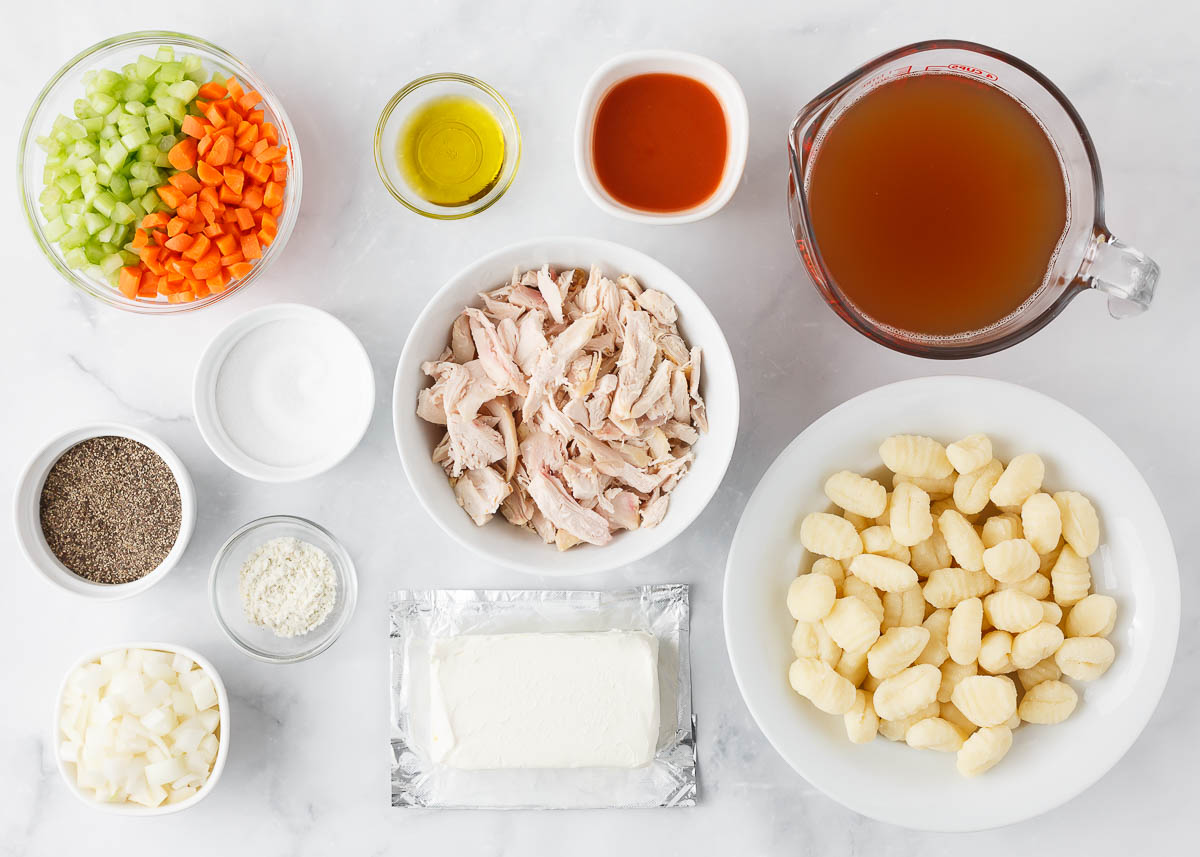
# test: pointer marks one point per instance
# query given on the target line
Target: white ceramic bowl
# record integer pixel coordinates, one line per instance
(67, 769)
(28, 518)
(1047, 765)
(359, 378)
(716, 77)
(516, 547)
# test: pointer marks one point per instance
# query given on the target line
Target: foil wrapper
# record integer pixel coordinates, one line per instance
(420, 616)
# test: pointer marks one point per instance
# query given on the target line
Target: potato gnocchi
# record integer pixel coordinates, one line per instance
(952, 609)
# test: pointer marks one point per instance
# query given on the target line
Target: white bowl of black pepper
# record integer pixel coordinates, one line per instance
(105, 511)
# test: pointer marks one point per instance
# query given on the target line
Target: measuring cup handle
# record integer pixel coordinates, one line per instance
(1127, 275)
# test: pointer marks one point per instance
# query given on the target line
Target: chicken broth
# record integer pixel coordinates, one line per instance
(938, 203)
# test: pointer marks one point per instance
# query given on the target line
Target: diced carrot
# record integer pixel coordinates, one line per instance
(214, 230)
(149, 257)
(209, 195)
(209, 211)
(268, 221)
(186, 183)
(265, 238)
(228, 197)
(234, 89)
(211, 90)
(232, 259)
(193, 126)
(261, 146)
(256, 169)
(183, 154)
(268, 132)
(157, 220)
(279, 171)
(201, 289)
(140, 239)
(271, 154)
(170, 195)
(241, 269)
(149, 285)
(209, 174)
(187, 208)
(176, 225)
(250, 247)
(234, 179)
(273, 195)
(196, 225)
(245, 218)
(221, 152)
(204, 145)
(252, 198)
(277, 211)
(129, 280)
(207, 267)
(198, 248)
(249, 101)
(226, 243)
(180, 242)
(246, 136)
(214, 115)
(219, 282)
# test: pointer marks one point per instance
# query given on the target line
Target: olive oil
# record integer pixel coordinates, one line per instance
(451, 150)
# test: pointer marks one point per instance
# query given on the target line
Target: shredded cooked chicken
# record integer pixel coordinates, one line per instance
(570, 402)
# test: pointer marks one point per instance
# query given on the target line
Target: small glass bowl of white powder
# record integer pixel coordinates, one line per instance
(282, 589)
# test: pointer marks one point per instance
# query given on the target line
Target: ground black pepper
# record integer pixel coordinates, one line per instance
(110, 509)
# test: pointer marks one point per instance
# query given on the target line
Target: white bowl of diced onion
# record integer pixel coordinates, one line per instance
(179, 766)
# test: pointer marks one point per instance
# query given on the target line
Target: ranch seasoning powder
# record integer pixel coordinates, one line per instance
(288, 586)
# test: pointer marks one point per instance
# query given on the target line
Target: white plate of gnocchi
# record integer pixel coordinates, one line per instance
(952, 603)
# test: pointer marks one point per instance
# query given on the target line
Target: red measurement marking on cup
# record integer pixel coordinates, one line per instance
(872, 82)
(965, 69)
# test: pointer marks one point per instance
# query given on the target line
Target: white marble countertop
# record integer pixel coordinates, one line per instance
(308, 768)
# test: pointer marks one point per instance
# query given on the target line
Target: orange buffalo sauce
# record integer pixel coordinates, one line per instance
(659, 142)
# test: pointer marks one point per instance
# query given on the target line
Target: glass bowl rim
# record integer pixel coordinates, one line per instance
(339, 557)
(407, 90)
(112, 297)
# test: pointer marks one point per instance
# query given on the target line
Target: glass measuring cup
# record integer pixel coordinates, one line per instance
(1088, 256)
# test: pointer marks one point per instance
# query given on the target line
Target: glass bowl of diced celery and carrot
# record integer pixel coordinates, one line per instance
(158, 173)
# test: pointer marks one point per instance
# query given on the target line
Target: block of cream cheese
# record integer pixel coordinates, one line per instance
(545, 700)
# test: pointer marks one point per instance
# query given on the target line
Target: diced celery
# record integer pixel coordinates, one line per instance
(93, 124)
(122, 213)
(104, 203)
(75, 237)
(50, 212)
(75, 257)
(185, 90)
(94, 252)
(165, 53)
(116, 155)
(163, 160)
(138, 187)
(119, 186)
(129, 257)
(109, 132)
(83, 109)
(137, 108)
(128, 122)
(68, 184)
(167, 142)
(89, 186)
(147, 152)
(93, 222)
(114, 115)
(75, 130)
(104, 174)
(172, 106)
(157, 121)
(170, 72)
(135, 92)
(55, 229)
(151, 202)
(106, 234)
(129, 70)
(146, 67)
(83, 166)
(160, 90)
(46, 143)
(104, 81)
(111, 263)
(101, 103)
(52, 195)
(84, 148)
(133, 139)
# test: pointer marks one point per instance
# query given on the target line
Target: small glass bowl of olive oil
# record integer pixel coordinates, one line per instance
(447, 146)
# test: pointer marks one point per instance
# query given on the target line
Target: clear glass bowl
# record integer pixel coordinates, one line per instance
(262, 643)
(400, 108)
(58, 96)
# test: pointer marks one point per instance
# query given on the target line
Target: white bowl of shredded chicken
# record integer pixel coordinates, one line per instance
(565, 406)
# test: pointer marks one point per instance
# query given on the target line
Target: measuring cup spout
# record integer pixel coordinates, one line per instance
(1127, 275)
